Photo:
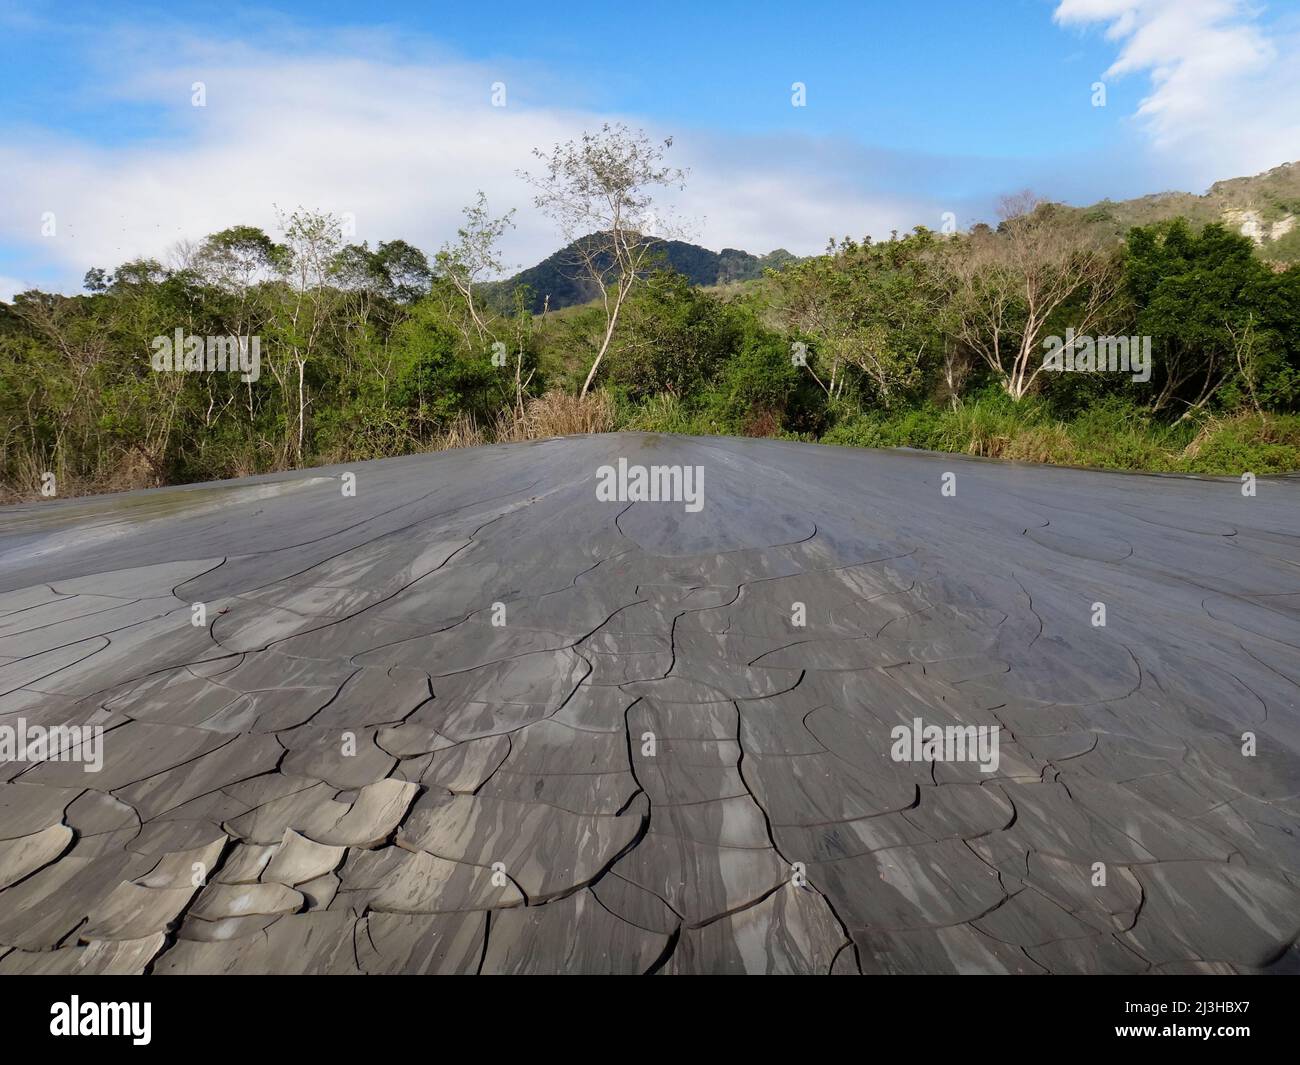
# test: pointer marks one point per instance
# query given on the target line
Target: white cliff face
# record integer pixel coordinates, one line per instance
(1248, 224)
(1251, 224)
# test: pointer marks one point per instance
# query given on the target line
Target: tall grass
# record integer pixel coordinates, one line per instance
(1110, 436)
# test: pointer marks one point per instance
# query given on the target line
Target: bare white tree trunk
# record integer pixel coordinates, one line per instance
(609, 335)
(301, 408)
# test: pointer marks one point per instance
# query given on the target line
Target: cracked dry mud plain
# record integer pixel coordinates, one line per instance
(520, 746)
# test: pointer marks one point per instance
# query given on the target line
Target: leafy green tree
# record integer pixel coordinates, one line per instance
(439, 376)
(869, 311)
(760, 389)
(1198, 296)
(674, 338)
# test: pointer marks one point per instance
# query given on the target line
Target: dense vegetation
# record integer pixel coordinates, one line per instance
(924, 340)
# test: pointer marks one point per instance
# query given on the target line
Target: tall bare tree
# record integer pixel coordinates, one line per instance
(312, 240)
(1008, 284)
(599, 191)
(474, 258)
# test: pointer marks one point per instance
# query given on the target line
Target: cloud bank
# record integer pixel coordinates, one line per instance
(399, 135)
(1225, 86)
(396, 144)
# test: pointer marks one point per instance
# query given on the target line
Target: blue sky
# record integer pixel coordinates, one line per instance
(946, 76)
(382, 110)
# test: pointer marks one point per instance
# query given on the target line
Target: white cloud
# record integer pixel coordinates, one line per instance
(401, 135)
(9, 287)
(1225, 86)
(400, 144)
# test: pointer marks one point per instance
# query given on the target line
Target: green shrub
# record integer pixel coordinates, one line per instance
(664, 413)
(671, 338)
(858, 431)
(1258, 443)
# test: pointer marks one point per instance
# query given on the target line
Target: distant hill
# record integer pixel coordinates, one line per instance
(559, 276)
(1265, 207)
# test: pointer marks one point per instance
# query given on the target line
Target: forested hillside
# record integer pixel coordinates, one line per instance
(1264, 207)
(925, 340)
(559, 281)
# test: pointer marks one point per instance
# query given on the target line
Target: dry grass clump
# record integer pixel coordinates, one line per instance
(463, 432)
(120, 471)
(560, 414)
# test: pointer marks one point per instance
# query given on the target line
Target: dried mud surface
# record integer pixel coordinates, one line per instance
(476, 720)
